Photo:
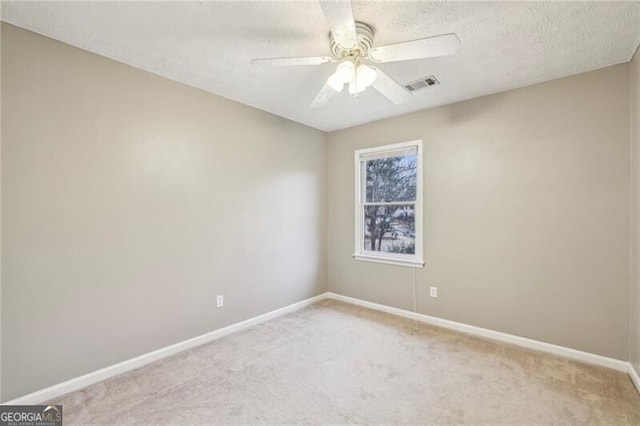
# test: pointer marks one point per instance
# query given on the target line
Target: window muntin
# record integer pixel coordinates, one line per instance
(389, 204)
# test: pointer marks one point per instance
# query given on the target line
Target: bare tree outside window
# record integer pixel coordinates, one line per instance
(389, 205)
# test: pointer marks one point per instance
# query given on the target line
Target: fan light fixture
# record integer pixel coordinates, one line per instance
(358, 78)
(351, 43)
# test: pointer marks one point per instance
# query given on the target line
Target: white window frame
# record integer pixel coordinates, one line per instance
(412, 260)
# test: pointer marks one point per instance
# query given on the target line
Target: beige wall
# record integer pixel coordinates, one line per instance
(1, 399)
(130, 201)
(526, 212)
(634, 294)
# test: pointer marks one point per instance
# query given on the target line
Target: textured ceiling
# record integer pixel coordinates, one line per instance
(209, 45)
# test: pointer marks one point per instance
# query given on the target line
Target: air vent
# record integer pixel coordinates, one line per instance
(422, 83)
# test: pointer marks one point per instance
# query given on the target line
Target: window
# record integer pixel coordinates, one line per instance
(389, 204)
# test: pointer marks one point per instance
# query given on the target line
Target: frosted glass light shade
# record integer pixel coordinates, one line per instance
(358, 78)
(365, 76)
(346, 71)
(335, 82)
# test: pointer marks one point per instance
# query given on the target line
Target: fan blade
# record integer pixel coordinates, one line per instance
(430, 47)
(283, 62)
(323, 96)
(390, 89)
(340, 18)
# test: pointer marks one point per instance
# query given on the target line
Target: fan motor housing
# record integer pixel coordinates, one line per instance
(364, 34)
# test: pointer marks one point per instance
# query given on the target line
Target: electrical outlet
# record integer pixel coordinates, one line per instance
(219, 301)
(433, 291)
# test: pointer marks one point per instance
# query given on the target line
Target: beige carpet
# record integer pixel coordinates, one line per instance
(336, 363)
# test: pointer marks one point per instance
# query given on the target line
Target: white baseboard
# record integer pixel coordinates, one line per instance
(635, 378)
(133, 363)
(586, 357)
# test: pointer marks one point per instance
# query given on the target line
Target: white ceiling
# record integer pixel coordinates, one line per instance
(209, 45)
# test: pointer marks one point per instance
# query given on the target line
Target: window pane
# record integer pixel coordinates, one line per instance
(390, 228)
(391, 179)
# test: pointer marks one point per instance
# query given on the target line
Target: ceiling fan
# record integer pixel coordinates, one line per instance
(351, 45)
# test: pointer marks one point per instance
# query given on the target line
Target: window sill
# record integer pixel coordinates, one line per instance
(390, 260)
